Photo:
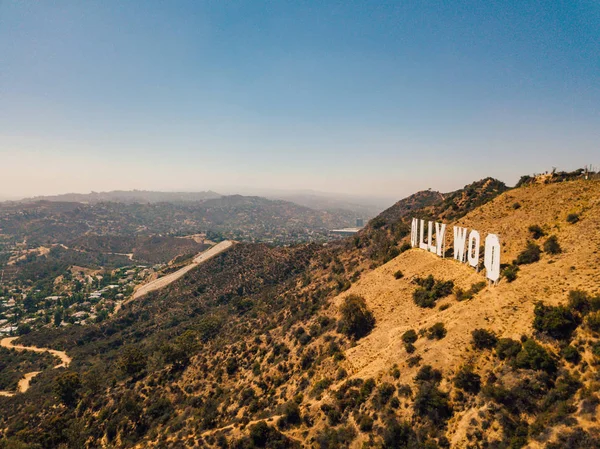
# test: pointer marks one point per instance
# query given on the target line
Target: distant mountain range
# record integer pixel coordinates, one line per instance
(362, 207)
(129, 196)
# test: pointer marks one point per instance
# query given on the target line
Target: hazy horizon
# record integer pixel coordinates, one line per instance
(373, 100)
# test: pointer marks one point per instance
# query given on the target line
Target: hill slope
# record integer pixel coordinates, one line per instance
(252, 348)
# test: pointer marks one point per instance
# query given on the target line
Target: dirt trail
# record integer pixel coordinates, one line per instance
(169, 278)
(23, 385)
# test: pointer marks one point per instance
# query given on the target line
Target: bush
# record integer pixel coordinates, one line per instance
(428, 374)
(510, 272)
(572, 218)
(551, 245)
(330, 438)
(507, 348)
(467, 380)
(357, 321)
(414, 360)
(558, 322)
(571, 354)
(181, 350)
(398, 274)
(593, 322)
(579, 301)
(410, 336)
(536, 232)
(516, 206)
(534, 356)
(132, 362)
(431, 403)
(462, 295)
(437, 331)
(290, 415)
(530, 254)
(399, 435)
(67, 386)
(365, 423)
(484, 339)
(384, 393)
(430, 290)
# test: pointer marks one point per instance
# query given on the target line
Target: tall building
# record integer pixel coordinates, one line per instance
(359, 223)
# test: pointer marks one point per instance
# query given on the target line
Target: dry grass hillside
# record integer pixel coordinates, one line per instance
(506, 309)
(326, 347)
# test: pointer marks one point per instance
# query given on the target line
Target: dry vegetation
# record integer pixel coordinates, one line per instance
(326, 347)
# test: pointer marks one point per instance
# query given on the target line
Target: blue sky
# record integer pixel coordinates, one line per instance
(378, 98)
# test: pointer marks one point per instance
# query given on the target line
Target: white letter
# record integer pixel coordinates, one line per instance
(474, 240)
(491, 257)
(460, 235)
(440, 236)
(432, 247)
(422, 244)
(414, 233)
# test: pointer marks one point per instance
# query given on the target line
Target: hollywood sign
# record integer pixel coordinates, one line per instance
(466, 249)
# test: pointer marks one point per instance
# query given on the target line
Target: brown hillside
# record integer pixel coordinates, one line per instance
(506, 308)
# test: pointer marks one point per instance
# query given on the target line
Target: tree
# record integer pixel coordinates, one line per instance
(57, 318)
(536, 231)
(181, 350)
(530, 254)
(558, 322)
(357, 321)
(468, 380)
(551, 245)
(66, 386)
(484, 339)
(132, 361)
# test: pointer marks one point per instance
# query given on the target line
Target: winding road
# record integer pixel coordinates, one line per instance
(23, 385)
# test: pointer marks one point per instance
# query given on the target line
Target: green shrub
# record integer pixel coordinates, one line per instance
(384, 393)
(468, 380)
(462, 295)
(410, 348)
(572, 218)
(67, 386)
(357, 321)
(410, 336)
(365, 423)
(516, 206)
(405, 247)
(431, 403)
(571, 354)
(536, 232)
(399, 435)
(132, 361)
(398, 274)
(535, 356)
(437, 331)
(593, 322)
(530, 254)
(510, 272)
(507, 348)
(558, 322)
(551, 245)
(290, 415)
(579, 301)
(484, 339)
(430, 290)
(428, 374)
(414, 360)
(330, 438)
